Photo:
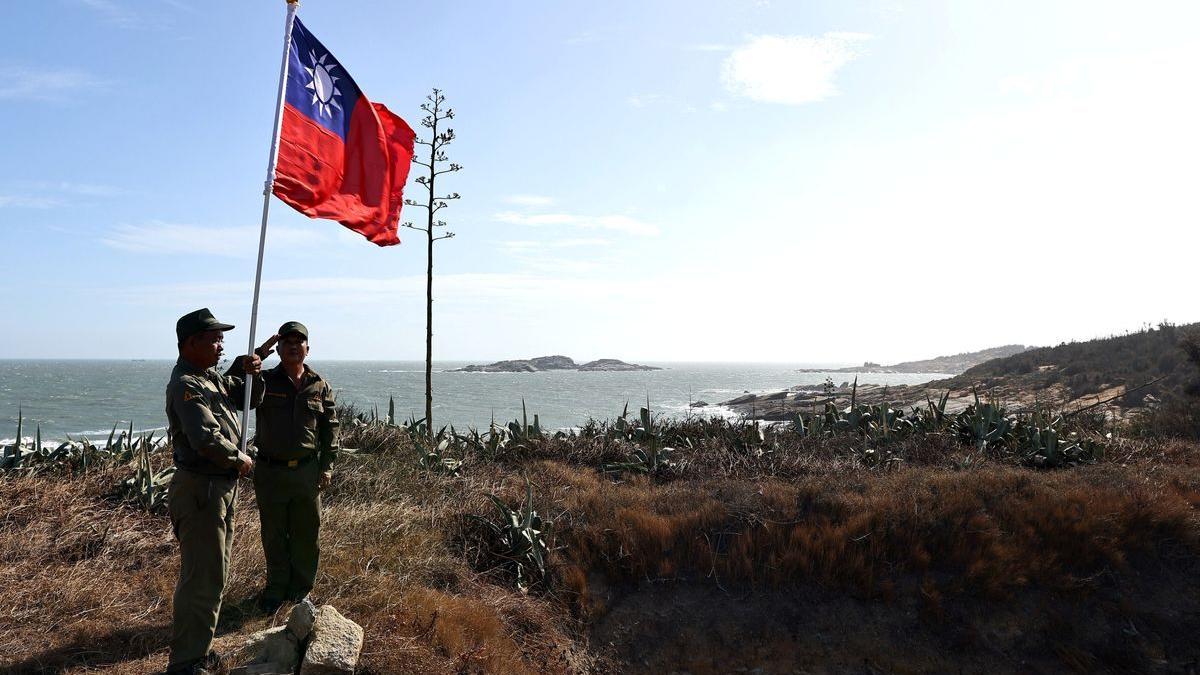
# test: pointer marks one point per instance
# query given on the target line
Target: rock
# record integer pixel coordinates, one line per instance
(519, 366)
(262, 669)
(301, 618)
(556, 362)
(553, 362)
(741, 399)
(612, 365)
(276, 646)
(333, 645)
(698, 404)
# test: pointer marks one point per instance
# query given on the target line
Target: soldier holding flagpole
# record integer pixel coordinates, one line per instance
(334, 154)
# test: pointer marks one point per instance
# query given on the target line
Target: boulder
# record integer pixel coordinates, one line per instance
(333, 645)
(275, 646)
(262, 669)
(301, 618)
(698, 404)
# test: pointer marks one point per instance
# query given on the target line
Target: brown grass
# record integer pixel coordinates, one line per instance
(85, 581)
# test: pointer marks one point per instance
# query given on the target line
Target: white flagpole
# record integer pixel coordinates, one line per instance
(292, 5)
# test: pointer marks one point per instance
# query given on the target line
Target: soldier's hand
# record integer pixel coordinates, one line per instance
(252, 365)
(266, 349)
(245, 464)
(325, 480)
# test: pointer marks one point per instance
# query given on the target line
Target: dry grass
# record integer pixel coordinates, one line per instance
(85, 581)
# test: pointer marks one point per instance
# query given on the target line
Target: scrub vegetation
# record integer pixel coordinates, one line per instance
(865, 537)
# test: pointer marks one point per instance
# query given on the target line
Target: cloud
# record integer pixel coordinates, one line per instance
(616, 223)
(68, 188)
(119, 15)
(47, 195)
(642, 100)
(529, 246)
(28, 83)
(529, 200)
(27, 202)
(792, 70)
(235, 242)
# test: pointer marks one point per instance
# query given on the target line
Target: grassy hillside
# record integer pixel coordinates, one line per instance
(1096, 365)
(699, 546)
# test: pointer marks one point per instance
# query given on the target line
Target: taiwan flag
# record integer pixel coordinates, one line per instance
(340, 156)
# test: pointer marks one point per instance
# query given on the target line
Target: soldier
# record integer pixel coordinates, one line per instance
(297, 441)
(205, 434)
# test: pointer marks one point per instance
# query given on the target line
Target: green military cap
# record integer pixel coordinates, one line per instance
(293, 327)
(197, 322)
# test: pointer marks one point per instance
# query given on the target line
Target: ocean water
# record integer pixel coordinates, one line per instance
(86, 397)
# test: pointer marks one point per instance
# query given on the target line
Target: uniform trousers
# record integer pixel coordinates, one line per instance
(201, 509)
(289, 511)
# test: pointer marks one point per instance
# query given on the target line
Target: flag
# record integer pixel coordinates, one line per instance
(341, 156)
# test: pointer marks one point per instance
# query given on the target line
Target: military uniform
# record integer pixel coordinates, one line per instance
(205, 431)
(296, 434)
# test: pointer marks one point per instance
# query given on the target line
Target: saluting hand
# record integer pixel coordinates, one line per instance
(266, 349)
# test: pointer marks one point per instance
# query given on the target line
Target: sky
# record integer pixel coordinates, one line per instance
(816, 182)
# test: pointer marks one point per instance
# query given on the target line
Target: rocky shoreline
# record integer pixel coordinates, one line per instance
(556, 362)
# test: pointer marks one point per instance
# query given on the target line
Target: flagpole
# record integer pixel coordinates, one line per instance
(292, 5)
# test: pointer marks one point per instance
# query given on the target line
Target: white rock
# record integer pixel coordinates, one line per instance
(275, 645)
(301, 618)
(333, 645)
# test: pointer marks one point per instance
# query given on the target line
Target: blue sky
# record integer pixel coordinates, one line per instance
(760, 181)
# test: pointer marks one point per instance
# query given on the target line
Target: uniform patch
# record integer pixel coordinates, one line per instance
(187, 395)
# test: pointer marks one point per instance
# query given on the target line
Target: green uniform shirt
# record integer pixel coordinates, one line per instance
(202, 419)
(296, 423)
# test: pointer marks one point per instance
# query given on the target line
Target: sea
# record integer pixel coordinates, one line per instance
(87, 398)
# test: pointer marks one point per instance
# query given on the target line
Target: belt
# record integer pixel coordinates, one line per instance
(289, 463)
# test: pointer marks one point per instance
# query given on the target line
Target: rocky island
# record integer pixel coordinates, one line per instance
(557, 362)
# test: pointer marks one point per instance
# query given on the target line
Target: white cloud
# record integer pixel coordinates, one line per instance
(28, 83)
(787, 69)
(236, 242)
(27, 202)
(48, 195)
(529, 200)
(642, 100)
(118, 14)
(67, 188)
(529, 246)
(616, 222)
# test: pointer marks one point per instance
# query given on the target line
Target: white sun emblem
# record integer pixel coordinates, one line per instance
(323, 84)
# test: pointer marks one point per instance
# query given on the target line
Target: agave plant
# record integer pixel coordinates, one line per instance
(437, 459)
(521, 431)
(1044, 445)
(984, 425)
(648, 460)
(518, 538)
(147, 488)
(490, 445)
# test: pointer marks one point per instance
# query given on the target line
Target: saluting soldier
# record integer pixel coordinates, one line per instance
(205, 434)
(297, 440)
